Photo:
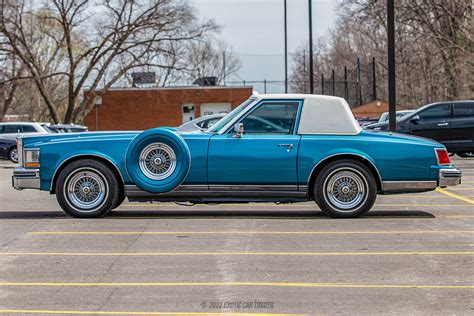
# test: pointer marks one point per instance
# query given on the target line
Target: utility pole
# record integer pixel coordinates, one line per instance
(311, 78)
(333, 82)
(392, 107)
(286, 49)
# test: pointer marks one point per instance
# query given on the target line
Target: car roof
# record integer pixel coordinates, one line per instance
(16, 123)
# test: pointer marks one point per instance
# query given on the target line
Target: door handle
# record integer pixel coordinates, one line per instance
(288, 146)
(443, 124)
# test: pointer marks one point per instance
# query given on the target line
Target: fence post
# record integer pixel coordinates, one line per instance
(346, 91)
(333, 82)
(322, 84)
(265, 86)
(374, 80)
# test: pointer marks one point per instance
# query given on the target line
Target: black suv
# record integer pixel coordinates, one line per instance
(450, 123)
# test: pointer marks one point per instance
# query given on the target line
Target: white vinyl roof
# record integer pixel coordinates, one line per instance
(322, 114)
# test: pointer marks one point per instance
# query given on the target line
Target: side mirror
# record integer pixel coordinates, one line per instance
(415, 119)
(239, 130)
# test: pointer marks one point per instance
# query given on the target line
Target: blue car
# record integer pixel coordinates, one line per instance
(272, 148)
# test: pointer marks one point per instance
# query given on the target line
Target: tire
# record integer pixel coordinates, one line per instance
(87, 188)
(158, 160)
(120, 200)
(355, 193)
(13, 154)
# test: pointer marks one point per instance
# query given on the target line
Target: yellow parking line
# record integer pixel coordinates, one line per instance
(153, 254)
(257, 232)
(456, 196)
(264, 284)
(55, 312)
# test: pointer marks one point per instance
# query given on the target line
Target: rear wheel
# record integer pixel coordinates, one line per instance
(345, 188)
(87, 188)
(13, 155)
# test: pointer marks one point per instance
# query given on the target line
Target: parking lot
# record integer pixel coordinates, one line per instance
(412, 254)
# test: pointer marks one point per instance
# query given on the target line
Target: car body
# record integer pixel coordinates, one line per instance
(201, 123)
(384, 117)
(9, 131)
(313, 150)
(450, 123)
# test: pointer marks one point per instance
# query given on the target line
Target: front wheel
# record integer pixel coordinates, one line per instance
(345, 188)
(13, 155)
(87, 188)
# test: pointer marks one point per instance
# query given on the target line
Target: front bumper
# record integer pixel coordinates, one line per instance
(449, 177)
(26, 178)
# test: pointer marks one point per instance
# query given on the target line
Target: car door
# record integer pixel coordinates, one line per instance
(265, 154)
(462, 126)
(435, 123)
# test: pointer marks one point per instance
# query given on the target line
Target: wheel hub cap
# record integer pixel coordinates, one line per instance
(86, 190)
(157, 161)
(345, 189)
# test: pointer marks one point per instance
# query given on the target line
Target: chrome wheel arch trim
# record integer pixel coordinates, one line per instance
(92, 156)
(380, 181)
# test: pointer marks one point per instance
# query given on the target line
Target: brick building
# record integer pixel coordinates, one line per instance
(144, 108)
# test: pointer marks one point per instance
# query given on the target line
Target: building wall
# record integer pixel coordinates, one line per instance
(144, 108)
(373, 109)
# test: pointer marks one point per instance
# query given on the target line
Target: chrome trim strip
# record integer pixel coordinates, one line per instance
(303, 188)
(220, 191)
(407, 186)
(350, 154)
(238, 187)
(83, 155)
(449, 177)
(26, 178)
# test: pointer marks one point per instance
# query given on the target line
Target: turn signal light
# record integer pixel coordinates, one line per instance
(442, 156)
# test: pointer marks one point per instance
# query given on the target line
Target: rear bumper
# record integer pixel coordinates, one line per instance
(449, 177)
(26, 178)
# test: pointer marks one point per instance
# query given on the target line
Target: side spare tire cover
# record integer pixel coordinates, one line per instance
(158, 160)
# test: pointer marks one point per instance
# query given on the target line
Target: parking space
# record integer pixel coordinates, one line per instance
(411, 254)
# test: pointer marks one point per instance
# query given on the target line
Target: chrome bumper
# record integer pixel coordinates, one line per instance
(449, 177)
(26, 178)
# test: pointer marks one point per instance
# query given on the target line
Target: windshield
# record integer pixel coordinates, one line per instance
(226, 119)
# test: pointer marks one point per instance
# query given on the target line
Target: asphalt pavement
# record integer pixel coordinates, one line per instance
(412, 254)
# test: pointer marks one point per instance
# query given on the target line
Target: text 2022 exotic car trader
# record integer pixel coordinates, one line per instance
(272, 148)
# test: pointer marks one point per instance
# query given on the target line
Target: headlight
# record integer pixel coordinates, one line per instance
(31, 158)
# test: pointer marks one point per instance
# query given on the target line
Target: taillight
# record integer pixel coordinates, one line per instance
(442, 156)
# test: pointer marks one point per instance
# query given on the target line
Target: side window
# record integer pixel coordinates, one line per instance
(28, 129)
(11, 129)
(464, 110)
(1, 129)
(209, 123)
(435, 113)
(271, 118)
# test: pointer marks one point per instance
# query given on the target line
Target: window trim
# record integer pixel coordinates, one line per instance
(296, 120)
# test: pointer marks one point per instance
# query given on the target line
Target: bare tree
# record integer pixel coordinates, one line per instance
(93, 45)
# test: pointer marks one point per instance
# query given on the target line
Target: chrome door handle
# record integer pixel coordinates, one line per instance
(443, 124)
(288, 146)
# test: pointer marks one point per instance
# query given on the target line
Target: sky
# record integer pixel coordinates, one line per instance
(254, 31)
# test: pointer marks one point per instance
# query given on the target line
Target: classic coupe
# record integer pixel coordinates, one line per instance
(272, 148)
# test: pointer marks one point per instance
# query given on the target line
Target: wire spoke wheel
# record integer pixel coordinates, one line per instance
(157, 161)
(86, 189)
(346, 189)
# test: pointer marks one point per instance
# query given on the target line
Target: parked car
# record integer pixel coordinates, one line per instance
(8, 149)
(67, 128)
(450, 123)
(9, 131)
(363, 121)
(323, 155)
(201, 123)
(398, 115)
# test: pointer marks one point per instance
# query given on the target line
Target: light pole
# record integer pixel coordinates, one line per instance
(392, 107)
(286, 48)
(311, 78)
